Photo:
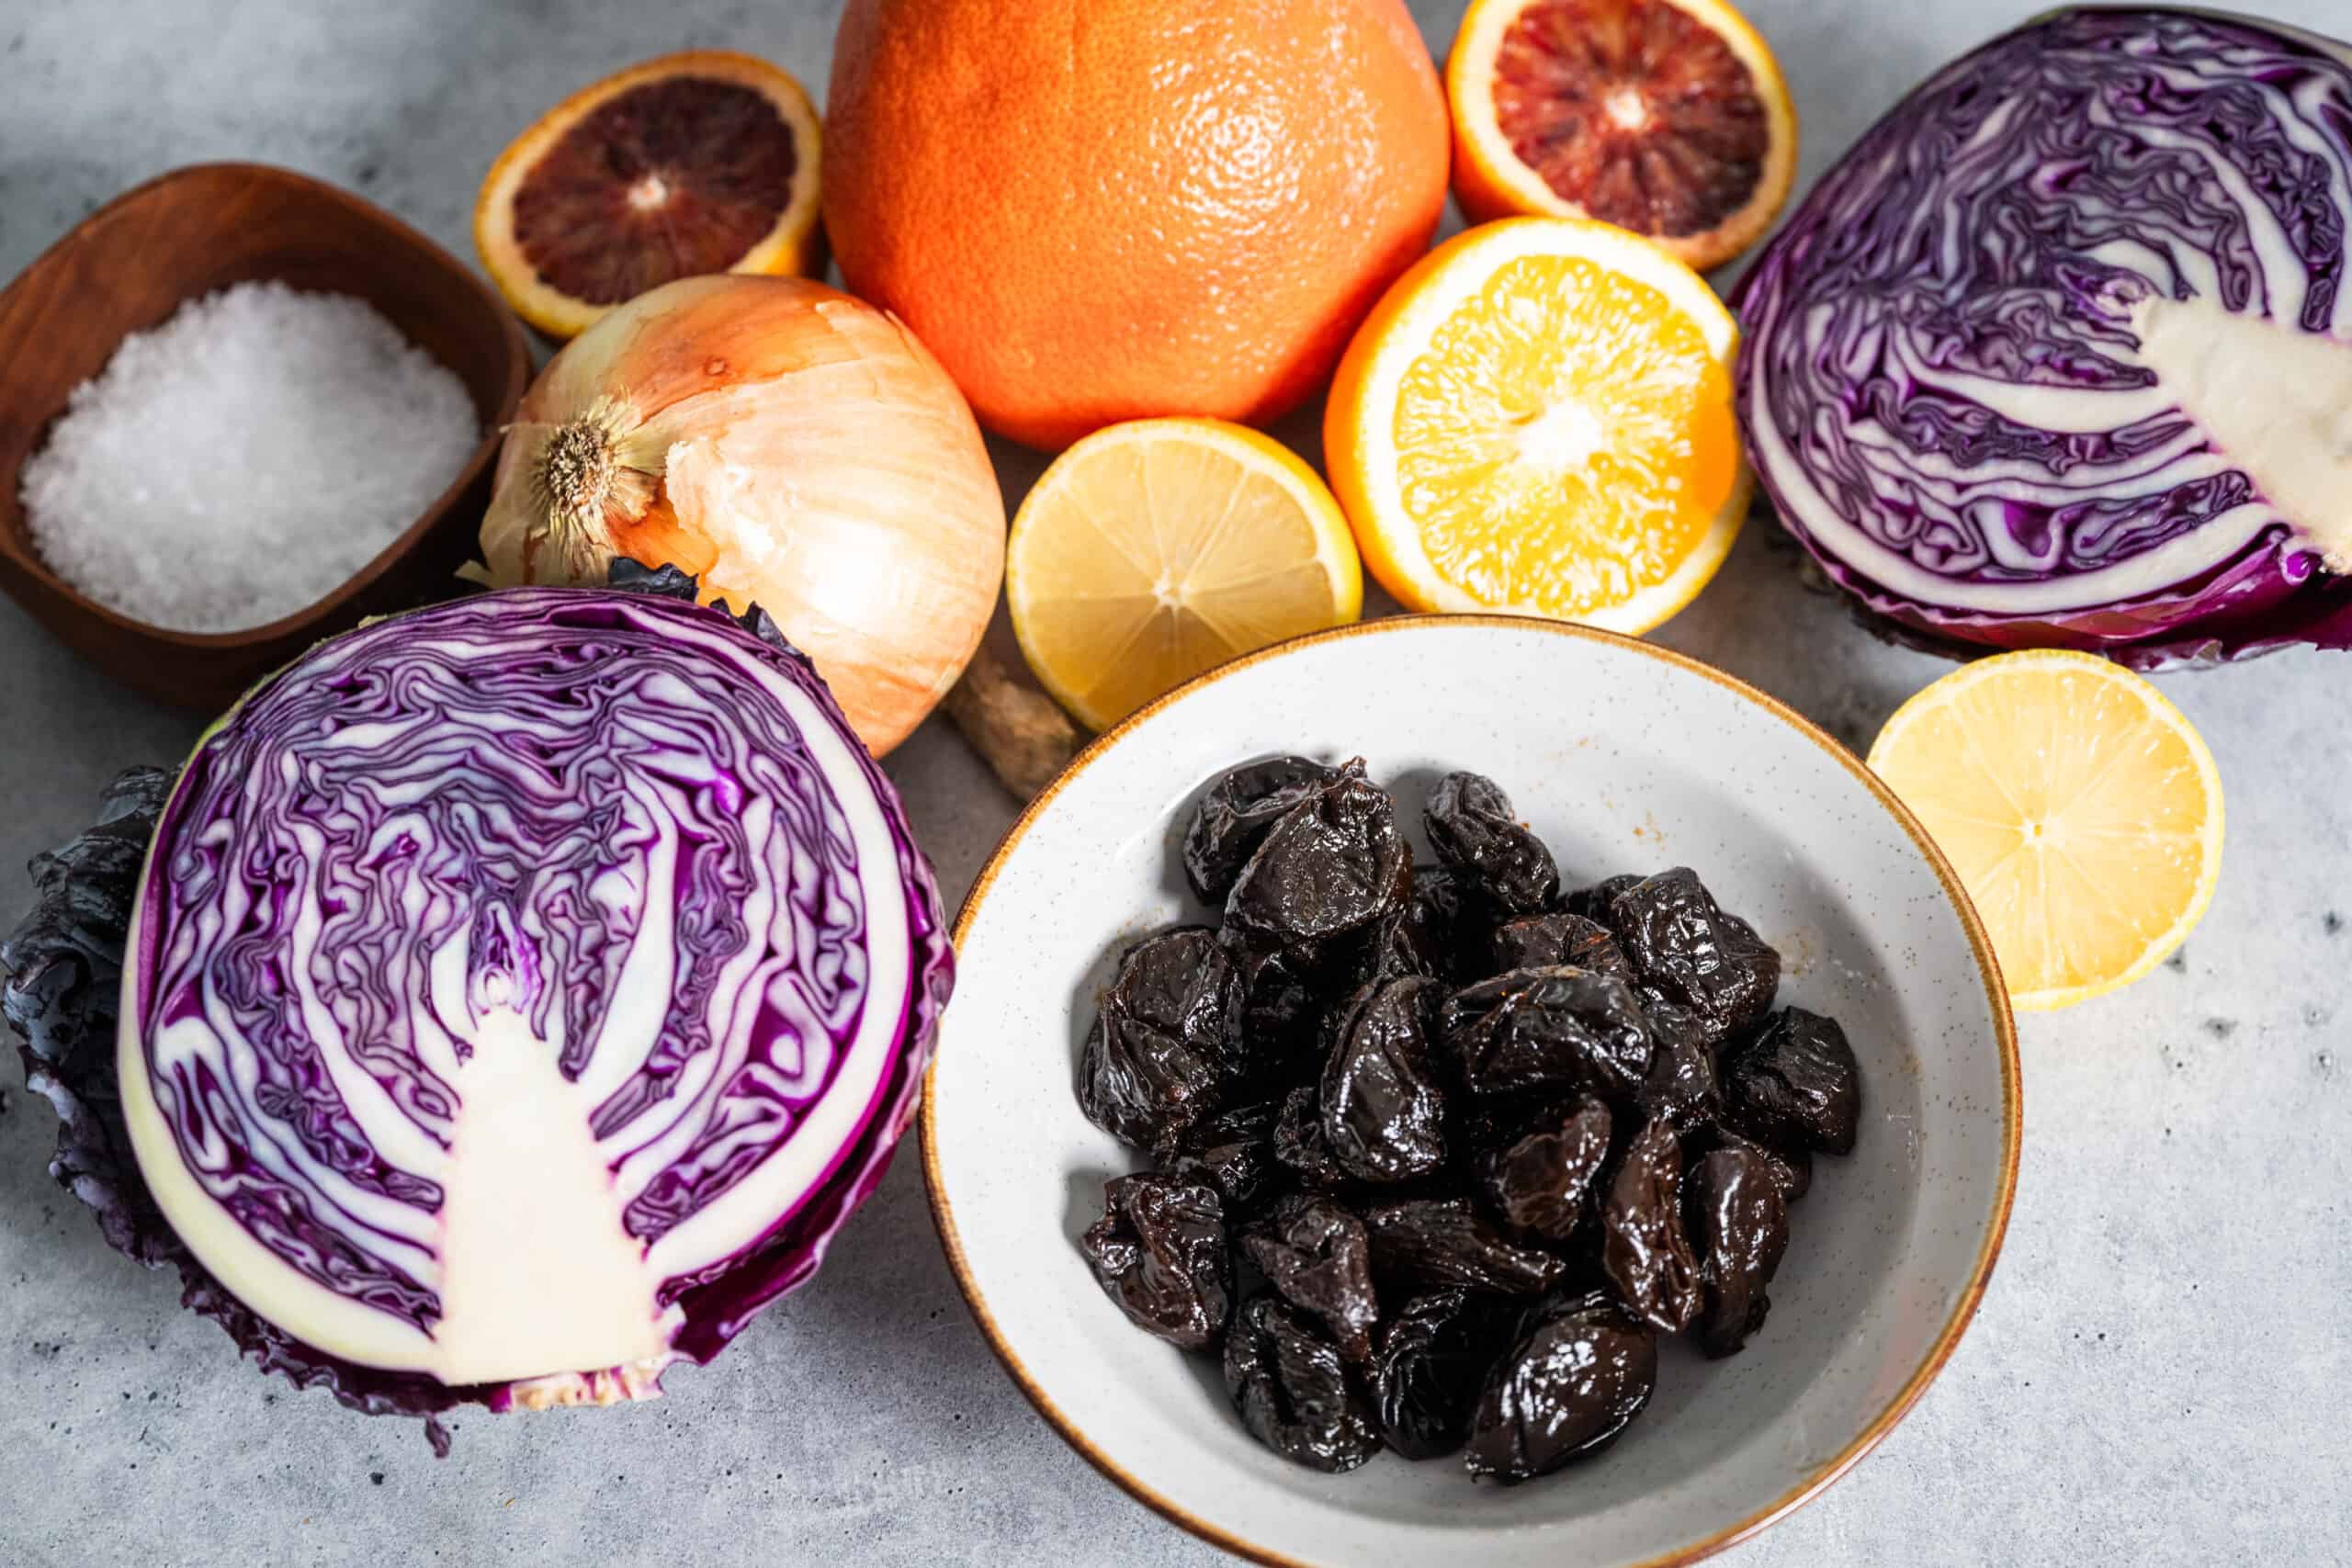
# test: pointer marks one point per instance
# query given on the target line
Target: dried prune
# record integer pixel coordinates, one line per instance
(1547, 1029)
(1436, 1241)
(1167, 1040)
(1233, 1152)
(1429, 1365)
(1741, 1226)
(1643, 1249)
(1159, 1251)
(1472, 827)
(1593, 902)
(1282, 997)
(1578, 1374)
(1235, 815)
(1299, 1144)
(1395, 952)
(1547, 941)
(1794, 1084)
(1542, 1182)
(1315, 1256)
(1681, 1086)
(1444, 918)
(1383, 1117)
(1330, 867)
(1688, 949)
(1792, 1168)
(1290, 1386)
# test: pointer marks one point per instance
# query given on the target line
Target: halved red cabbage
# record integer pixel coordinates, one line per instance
(519, 994)
(2061, 353)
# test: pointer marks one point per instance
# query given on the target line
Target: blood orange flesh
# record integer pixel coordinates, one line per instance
(1636, 110)
(673, 179)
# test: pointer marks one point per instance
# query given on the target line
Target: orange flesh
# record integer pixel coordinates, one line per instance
(1635, 110)
(671, 179)
(1566, 441)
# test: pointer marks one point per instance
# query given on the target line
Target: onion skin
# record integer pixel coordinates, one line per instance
(790, 446)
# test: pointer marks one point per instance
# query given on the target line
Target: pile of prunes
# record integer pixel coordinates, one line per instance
(1439, 1151)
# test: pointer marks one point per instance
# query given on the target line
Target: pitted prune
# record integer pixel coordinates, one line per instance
(1444, 917)
(1686, 948)
(1794, 1084)
(1472, 827)
(1299, 1145)
(1643, 1249)
(1330, 868)
(1681, 1088)
(1741, 1226)
(1431, 1243)
(1547, 941)
(1578, 1374)
(1593, 902)
(1233, 1152)
(1290, 1386)
(1235, 815)
(1159, 1251)
(1542, 1182)
(1168, 1042)
(1792, 1168)
(1315, 1256)
(1547, 1029)
(1383, 1117)
(1429, 1365)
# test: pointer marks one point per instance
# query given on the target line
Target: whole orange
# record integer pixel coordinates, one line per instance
(1094, 211)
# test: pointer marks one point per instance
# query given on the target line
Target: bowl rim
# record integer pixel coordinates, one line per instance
(1996, 993)
(515, 350)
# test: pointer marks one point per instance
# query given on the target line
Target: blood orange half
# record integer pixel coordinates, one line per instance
(692, 163)
(1669, 118)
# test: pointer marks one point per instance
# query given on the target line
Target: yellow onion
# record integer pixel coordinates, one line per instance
(790, 446)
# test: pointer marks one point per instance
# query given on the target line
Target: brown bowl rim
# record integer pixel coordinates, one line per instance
(1995, 991)
(517, 379)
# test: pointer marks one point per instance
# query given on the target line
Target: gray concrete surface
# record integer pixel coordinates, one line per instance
(2159, 1371)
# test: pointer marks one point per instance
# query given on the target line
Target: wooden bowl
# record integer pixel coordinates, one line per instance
(127, 268)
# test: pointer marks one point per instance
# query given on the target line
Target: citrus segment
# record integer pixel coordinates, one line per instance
(692, 163)
(1669, 118)
(1152, 551)
(1539, 419)
(2078, 806)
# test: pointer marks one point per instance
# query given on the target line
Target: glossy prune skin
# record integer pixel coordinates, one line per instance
(1740, 1224)
(1579, 1373)
(1549, 941)
(1315, 1256)
(1433, 1243)
(1445, 917)
(1233, 1152)
(1643, 1249)
(1158, 1252)
(1683, 1086)
(1290, 1386)
(1383, 1116)
(1688, 949)
(1477, 834)
(1299, 1145)
(1791, 1169)
(1168, 1042)
(1593, 902)
(1542, 1182)
(1333, 866)
(1429, 1364)
(1236, 812)
(1794, 1084)
(1552, 1030)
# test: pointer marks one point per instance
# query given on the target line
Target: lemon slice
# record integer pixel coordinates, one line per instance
(1154, 550)
(2080, 807)
(1538, 418)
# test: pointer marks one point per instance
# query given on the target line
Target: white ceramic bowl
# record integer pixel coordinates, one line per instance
(1623, 756)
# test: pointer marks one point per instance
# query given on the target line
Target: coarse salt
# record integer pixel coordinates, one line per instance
(240, 461)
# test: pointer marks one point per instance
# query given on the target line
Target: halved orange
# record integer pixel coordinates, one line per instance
(692, 163)
(1669, 118)
(1538, 418)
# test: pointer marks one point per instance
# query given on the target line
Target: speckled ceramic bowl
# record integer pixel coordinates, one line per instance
(1623, 756)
